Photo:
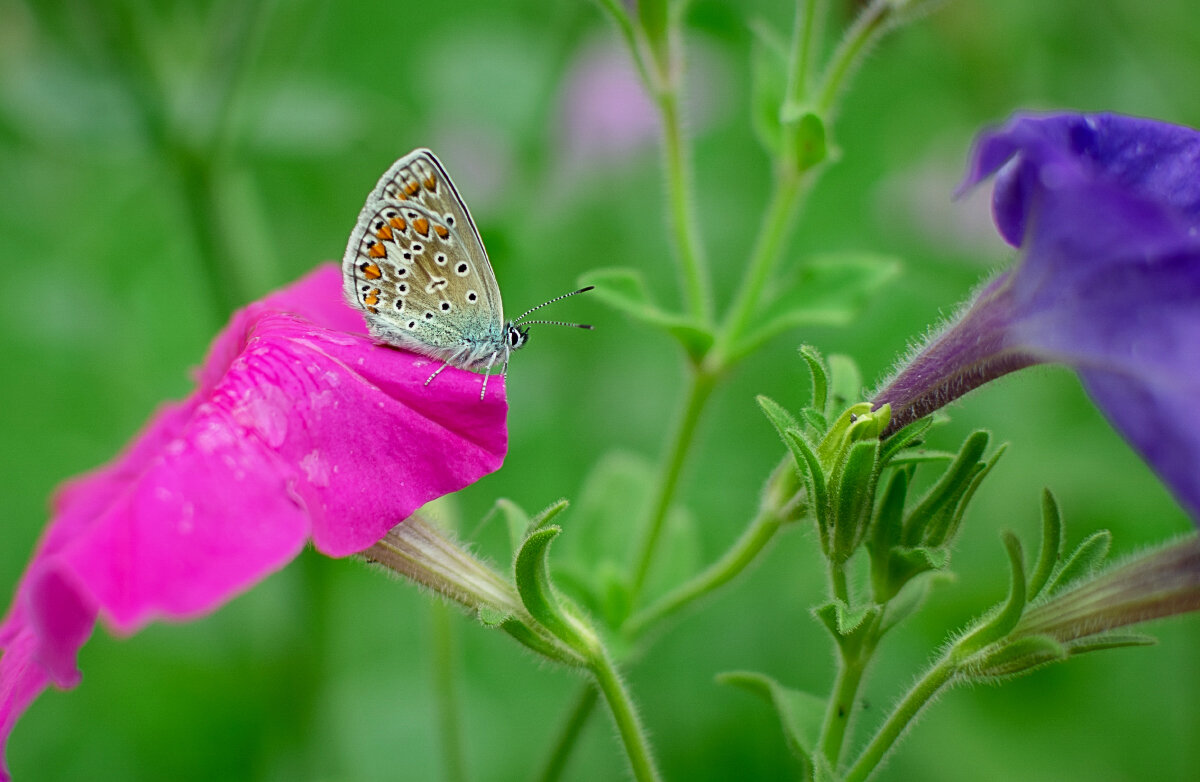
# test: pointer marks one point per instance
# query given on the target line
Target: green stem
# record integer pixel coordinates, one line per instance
(585, 701)
(629, 726)
(838, 584)
(916, 699)
(772, 234)
(629, 33)
(693, 265)
(807, 14)
(841, 702)
(870, 25)
(752, 541)
(699, 389)
(444, 678)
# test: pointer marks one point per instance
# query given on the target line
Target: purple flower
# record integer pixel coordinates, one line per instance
(1105, 210)
(301, 427)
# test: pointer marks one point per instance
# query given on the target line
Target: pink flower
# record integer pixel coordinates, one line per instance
(301, 427)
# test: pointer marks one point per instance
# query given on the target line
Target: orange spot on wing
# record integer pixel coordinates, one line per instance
(399, 224)
(372, 298)
(371, 271)
(384, 232)
(376, 250)
(441, 230)
(422, 226)
(412, 187)
(431, 184)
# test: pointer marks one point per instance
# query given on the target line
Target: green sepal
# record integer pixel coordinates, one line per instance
(836, 439)
(543, 646)
(845, 380)
(907, 437)
(1001, 622)
(850, 627)
(820, 378)
(543, 519)
(853, 496)
(490, 616)
(1083, 561)
(826, 290)
(885, 534)
(800, 713)
(922, 457)
(779, 417)
(815, 421)
(1097, 643)
(808, 140)
(1015, 657)
(931, 520)
(948, 534)
(907, 600)
(531, 572)
(1052, 542)
(516, 520)
(813, 475)
(625, 290)
(903, 564)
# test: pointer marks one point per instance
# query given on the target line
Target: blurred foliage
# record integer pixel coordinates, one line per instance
(166, 162)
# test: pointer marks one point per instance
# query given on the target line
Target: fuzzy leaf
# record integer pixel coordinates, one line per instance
(908, 437)
(1019, 656)
(1000, 623)
(1052, 541)
(625, 290)
(820, 377)
(516, 520)
(800, 714)
(531, 571)
(827, 290)
(1083, 561)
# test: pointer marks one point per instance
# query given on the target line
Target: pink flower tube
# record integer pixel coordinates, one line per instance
(301, 427)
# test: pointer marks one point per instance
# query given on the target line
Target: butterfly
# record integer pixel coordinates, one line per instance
(416, 268)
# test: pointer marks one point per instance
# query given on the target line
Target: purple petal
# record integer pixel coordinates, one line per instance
(1153, 160)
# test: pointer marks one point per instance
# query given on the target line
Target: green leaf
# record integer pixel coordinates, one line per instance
(820, 377)
(1083, 561)
(543, 519)
(1000, 623)
(907, 437)
(1052, 542)
(654, 20)
(905, 602)
(531, 571)
(826, 290)
(625, 290)
(885, 534)
(768, 82)
(800, 713)
(960, 507)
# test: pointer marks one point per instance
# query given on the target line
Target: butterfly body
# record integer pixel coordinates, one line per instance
(417, 269)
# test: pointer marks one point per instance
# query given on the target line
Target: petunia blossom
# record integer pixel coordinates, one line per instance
(1106, 212)
(301, 427)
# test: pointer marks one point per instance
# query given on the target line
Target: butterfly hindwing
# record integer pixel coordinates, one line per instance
(416, 267)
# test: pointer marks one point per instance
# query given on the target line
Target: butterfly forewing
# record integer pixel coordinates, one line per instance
(416, 267)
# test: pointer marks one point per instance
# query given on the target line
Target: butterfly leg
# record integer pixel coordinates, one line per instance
(486, 371)
(437, 372)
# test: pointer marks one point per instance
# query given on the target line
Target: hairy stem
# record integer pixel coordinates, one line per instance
(905, 712)
(629, 726)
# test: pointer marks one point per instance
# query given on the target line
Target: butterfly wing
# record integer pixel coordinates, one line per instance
(417, 269)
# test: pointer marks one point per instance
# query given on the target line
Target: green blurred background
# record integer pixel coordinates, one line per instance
(162, 162)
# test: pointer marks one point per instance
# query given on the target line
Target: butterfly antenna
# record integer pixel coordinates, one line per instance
(556, 298)
(587, 326)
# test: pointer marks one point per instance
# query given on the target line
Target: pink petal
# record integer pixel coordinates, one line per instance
(301, 426)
